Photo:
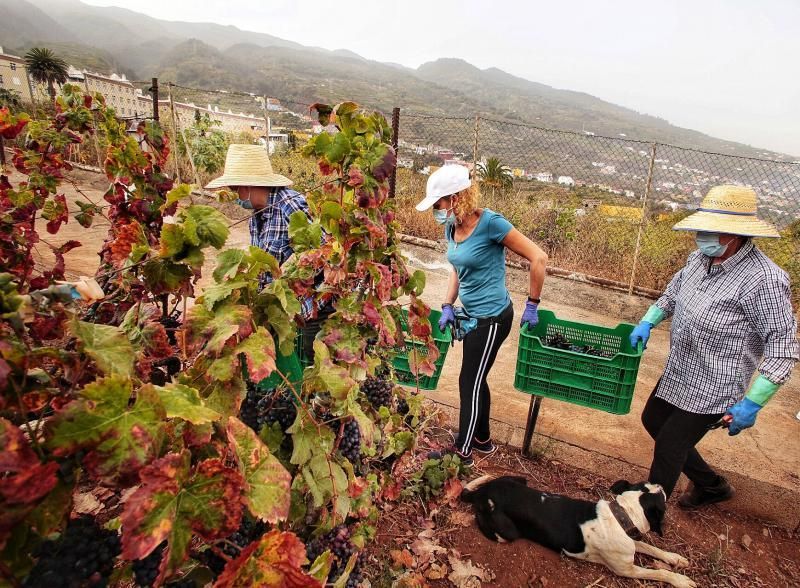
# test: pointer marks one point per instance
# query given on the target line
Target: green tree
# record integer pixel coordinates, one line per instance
(495, 174)
(46, 67)
(10, 100)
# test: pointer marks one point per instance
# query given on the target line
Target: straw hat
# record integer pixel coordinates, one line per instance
(248, 165)
(730, 210)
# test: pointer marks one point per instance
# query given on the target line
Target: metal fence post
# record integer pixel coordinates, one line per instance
(175, 131)
(475, 146)
(395, 142)
(154, 92)
(643, 219)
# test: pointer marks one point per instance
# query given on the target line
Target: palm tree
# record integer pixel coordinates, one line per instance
(45, 67)
(495, 174)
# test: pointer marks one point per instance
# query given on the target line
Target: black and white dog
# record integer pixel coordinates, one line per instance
(601, 532)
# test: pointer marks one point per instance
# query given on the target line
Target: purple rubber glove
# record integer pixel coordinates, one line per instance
(531, 315)
(448, 317)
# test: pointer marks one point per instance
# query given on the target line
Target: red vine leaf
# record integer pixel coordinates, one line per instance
(214, 329)
(55, 212)
(266, 480)
(259, 353)
(24, 480)
(122, 438)
(275, 560)
(176, 501)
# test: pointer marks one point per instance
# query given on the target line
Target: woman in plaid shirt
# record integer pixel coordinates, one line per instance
(248, 172)
(731, 314)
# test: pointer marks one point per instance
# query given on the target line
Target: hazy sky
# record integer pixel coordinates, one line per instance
(730, 68)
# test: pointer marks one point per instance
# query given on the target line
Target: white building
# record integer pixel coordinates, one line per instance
(566, 181)
(544, 177)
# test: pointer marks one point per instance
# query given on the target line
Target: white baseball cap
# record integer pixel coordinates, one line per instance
(443, 182)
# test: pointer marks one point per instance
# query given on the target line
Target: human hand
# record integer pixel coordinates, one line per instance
(448, 317)
(640, 333)
(744, 415)
(530, 316)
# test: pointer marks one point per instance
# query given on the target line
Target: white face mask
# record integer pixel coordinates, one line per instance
(708, 244)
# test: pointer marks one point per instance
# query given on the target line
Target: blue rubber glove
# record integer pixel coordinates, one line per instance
(448, 317)
(744, 415)
(641, 332)
(531, 315)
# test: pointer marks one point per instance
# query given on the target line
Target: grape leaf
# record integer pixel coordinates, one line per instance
(308, 440)
(326, 479)
(106, 345)
(24, 480)
(216, 328)
(228, 263)
(204, 225)
(304, 234)
(259, 353)
(55, 212)
(122, 438)
(321, 568)
(172, 240)
(266, 480)
(216, 292)
(275, 560)
(184, 402)
(175, 501)
(163, 276)
(177, 193)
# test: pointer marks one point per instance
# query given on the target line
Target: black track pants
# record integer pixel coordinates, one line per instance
(676, 432)
(480, 351)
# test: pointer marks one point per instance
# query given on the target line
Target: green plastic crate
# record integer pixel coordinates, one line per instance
(400, 362)
(597, 382)
(290, 366)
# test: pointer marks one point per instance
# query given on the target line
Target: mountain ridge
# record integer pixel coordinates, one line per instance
(144, 47)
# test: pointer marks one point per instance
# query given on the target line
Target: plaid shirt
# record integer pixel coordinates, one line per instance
(269, 230)
(728, 319)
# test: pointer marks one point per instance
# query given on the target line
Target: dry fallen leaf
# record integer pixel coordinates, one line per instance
(746, 541)
(436, 571)
(410, 580)
(462, 518)
(465, 574)
(86, 503)
(402, 558)
(452, 489)
(425, 550)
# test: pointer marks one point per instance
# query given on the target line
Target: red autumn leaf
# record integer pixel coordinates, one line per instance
(355, 177)
(357, 487)
(371, 314)
(452, 489)
(386, 166)
(11, 125)
(57, 273)
(176, 501)
(127, 236)
(274, 560)
(56, 213)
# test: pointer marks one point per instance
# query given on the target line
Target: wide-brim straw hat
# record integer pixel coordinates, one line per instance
(730, 210)
(248, 165)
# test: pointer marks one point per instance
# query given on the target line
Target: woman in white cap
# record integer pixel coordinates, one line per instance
(476, 243)
(248, 172)
(731, 313)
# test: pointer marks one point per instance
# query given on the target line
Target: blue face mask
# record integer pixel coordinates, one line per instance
(441, 216)
(708, 244)
(246, 204)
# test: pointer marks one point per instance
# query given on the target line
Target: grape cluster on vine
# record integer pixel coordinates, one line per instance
(350, 442)
(249, 531)
(338, 542)
(378, 391)
(260, 408)
(145, 570)
(83, 556)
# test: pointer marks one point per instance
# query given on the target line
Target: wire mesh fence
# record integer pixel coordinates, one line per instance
(600, 206)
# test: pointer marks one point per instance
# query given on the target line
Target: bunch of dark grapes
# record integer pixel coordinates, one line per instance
(341, 547)
(66, 467)
(559, 341)
(402, 406)
(83, 556)
(145, 570)
(264, 408)
(350, 443)
(378, 391)
(280, 409)
(249, 531)
(171, 324)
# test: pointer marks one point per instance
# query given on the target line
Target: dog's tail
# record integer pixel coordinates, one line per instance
(470, 488)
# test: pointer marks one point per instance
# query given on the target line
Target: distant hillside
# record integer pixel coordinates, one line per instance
(215, 56)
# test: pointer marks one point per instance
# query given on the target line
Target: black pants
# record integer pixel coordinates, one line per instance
(480, 351)
(676, 432)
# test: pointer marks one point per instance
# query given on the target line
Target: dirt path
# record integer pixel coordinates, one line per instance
(722, 551)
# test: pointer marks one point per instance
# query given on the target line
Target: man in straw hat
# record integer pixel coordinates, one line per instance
(731, 313)
(248, 172)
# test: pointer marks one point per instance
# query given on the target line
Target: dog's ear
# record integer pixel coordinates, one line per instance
(654, 506)
(620, 486)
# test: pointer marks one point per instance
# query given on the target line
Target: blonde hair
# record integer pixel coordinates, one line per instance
(467, 201)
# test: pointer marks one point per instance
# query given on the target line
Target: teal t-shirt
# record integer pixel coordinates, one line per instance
(480, 263)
